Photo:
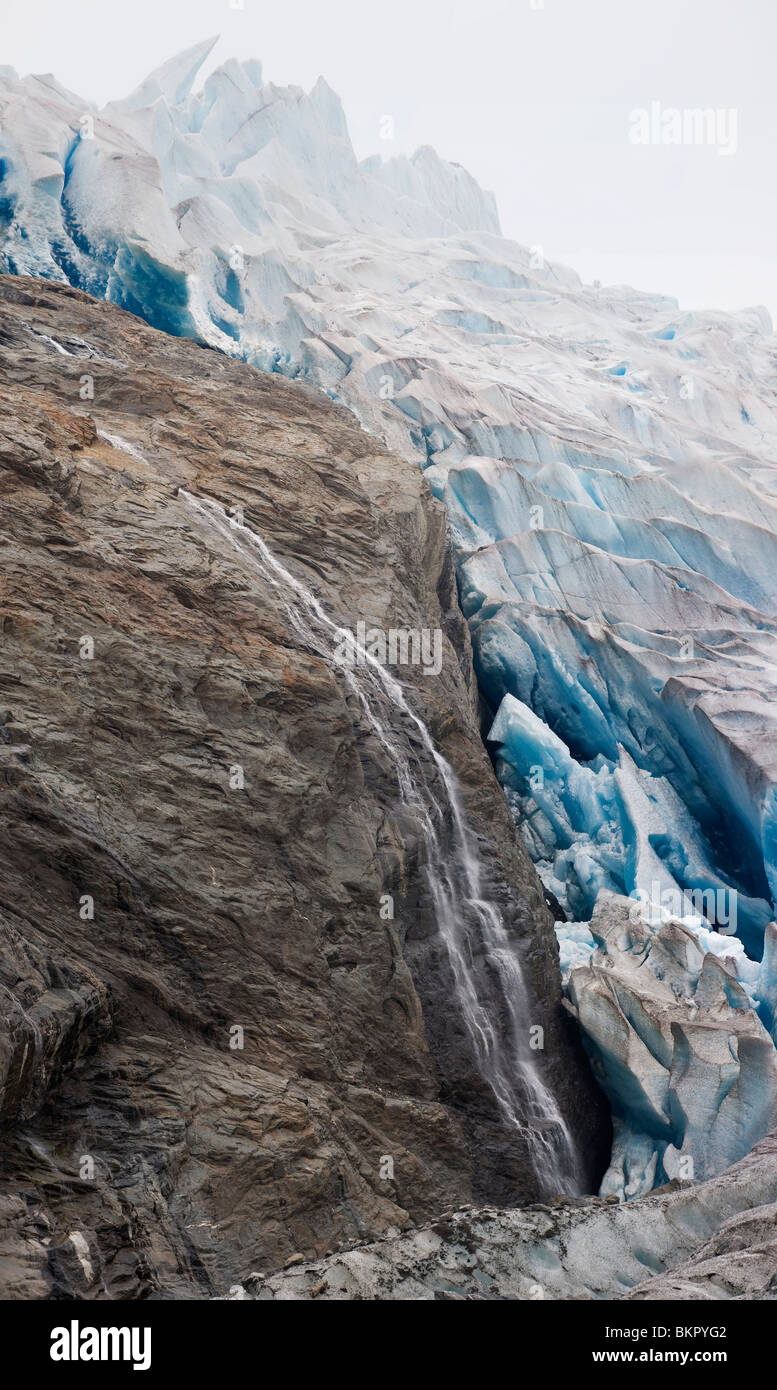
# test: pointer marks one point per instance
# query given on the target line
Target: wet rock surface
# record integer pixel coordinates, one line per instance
(149, 908)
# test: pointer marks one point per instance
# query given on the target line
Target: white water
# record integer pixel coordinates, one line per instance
(52, 342)
(506, 1063)
(117, 442)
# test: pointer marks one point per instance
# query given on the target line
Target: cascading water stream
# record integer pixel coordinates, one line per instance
(507, 1064)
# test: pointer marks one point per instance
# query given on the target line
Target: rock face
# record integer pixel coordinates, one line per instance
(203, 835)
(714, 1240)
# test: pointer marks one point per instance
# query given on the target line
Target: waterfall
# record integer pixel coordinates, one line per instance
(506, 1062)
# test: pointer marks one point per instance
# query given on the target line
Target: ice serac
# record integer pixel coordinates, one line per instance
(172, 82)
(678, 1046)
(607, 460)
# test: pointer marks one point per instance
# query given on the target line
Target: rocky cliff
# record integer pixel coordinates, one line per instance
(232, 1026)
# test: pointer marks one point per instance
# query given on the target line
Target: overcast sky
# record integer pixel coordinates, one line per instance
(535, 97)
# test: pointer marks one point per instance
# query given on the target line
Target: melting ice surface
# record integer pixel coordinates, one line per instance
(608, 461)
(504, 1056)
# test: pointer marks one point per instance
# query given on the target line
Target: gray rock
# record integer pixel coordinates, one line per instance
(135, 1125)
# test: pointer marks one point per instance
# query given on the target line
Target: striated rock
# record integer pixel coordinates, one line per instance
(684, 1241)
(53, 1013)
(202, 834)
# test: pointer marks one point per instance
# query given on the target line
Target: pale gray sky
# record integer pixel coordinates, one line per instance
(534, 98)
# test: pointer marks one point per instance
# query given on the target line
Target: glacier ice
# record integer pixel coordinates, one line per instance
(688, 1064)
(609, 824)
(607, 461)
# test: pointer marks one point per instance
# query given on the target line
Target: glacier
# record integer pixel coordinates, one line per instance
(608, 462)
(689, 1065)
